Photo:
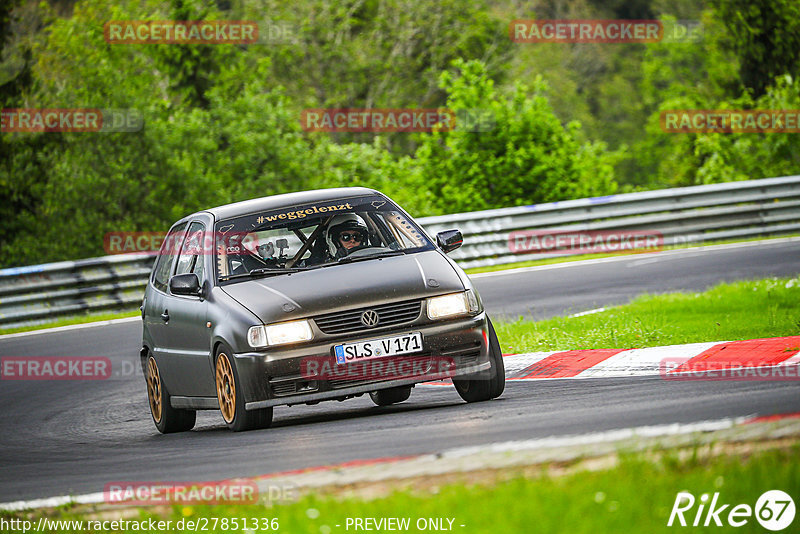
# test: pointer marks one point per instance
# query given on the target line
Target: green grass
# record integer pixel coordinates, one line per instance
(635, 496)
(580, 257)
(727, 312)
(76, 319)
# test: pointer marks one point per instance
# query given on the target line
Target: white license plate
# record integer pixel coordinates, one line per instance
(378, 348)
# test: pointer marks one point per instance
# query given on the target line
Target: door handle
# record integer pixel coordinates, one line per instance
(165, 316)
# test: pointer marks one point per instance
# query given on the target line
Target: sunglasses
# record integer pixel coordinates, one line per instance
(348, 237)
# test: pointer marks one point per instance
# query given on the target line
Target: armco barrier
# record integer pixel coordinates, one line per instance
(682, 215)
(42, 293)
(696, 214)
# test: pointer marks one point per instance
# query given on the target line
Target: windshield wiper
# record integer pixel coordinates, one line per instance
(264, 271)
(384, 254)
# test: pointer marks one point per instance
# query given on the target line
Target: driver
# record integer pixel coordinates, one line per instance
(346, 232)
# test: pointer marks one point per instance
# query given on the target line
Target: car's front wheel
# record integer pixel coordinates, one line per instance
(231, 397)
(166, 418)
(385, 397)
(488, 387)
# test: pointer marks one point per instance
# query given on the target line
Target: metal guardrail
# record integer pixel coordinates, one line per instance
(694, 214)
(41, 293)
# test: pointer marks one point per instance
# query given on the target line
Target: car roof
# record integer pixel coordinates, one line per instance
(288, 199)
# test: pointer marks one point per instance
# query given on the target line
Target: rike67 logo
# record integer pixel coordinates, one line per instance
(774, 510)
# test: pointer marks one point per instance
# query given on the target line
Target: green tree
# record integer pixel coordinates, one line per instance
(242, 141)
(747, 156)
(679, 75)
(765, 34)
(376, 53)
(23, 159)
(528, 157)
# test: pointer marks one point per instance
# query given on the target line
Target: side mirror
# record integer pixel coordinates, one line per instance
(185, 284)
(449, 240)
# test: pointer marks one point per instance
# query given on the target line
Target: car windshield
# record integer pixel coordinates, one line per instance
(309, 236)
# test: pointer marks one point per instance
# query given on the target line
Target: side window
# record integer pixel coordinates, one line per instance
(191, 257)
(198, 268)
(166, 257)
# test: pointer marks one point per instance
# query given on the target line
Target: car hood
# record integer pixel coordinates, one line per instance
(346, 286)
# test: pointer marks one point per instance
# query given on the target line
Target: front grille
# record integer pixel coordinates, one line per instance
(350, 321)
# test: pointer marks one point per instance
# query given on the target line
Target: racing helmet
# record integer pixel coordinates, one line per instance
(340, 223)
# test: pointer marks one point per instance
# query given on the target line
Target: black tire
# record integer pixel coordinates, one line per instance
(231, 398)
(497, 354)
(488, 387)
(385, 397)
(166, 418)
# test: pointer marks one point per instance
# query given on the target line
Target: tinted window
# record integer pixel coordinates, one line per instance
(314, 235)
(166, 257)
(191, 256)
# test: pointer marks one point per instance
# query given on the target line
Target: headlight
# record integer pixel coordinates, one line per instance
(448, 305)
(279, 334)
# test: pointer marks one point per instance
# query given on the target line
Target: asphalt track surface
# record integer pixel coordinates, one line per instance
(73, 437)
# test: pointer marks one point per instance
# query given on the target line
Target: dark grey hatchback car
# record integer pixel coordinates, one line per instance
(305, 297)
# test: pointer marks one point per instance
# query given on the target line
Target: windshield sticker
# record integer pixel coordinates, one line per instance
(300, 214)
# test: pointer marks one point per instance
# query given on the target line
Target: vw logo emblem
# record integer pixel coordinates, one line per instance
(370, 318)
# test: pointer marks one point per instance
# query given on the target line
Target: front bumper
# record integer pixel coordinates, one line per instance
(276, 377)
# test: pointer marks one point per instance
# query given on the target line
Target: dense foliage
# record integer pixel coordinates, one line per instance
(222, 122)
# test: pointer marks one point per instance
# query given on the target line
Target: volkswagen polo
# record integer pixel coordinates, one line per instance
(305, 297)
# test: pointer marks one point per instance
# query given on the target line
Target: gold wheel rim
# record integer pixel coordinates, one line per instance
(226, 388)
(154, 389)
